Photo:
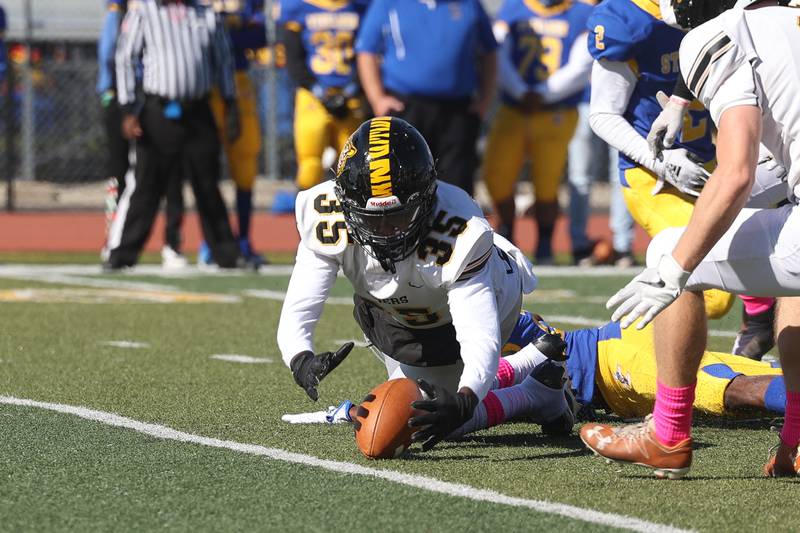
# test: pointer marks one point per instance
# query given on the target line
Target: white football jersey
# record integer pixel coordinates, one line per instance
(751, 57)
(461, 273)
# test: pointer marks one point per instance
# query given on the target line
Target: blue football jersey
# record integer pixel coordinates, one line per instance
(328, 29)
(542, 37)
(632, 31)
(245, 22)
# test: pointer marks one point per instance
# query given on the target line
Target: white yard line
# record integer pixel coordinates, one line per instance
(124, 344)
(585, 272)
(356, 343)
(420, 482)
(279, 296)
(236, 358)
(72, 279)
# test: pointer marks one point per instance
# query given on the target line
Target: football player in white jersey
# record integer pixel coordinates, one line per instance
(437, 293)
(742, 64)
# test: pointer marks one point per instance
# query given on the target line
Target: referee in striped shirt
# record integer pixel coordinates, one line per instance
(184, 50)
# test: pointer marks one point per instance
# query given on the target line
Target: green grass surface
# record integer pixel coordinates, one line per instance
(58, 472)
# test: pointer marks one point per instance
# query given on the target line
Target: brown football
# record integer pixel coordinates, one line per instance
(381, 423)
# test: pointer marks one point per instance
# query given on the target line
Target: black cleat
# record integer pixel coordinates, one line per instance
(550, 374)
(756, 336)
(551, 344)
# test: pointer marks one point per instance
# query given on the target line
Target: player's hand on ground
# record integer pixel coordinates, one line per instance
(309, 369)
(386, 105)
(233, 126)
(682, 169)
(649, 293)
(668, 124)
(131, 129)
(445, 412)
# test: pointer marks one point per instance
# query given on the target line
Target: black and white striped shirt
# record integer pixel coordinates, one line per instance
(184, 51)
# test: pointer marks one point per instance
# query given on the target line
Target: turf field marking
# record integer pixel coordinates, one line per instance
(66, 279)
(552, 296)
(124, 344)
(420, 482)
(357, 344)
(235, 358)
(280, 296)
(91, 295)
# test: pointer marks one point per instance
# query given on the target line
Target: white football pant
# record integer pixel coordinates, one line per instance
(759, 255)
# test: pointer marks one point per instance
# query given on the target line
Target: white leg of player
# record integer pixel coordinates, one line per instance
(759, 255)
(446, 376)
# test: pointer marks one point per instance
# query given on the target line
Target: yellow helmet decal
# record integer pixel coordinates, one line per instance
(380, 176)
(348, 151)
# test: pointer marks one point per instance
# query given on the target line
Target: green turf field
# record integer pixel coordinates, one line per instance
(60, 333)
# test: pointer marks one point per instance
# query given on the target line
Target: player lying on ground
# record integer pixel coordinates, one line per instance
(436, 291)
(729, 62)
(609, 368)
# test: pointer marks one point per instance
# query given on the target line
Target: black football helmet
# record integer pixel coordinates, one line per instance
(386, 185)
(692, 13)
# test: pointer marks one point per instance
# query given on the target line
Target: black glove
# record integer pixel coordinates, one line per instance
(336, 105)
(309, 369)
(551, 344)
(447, 412)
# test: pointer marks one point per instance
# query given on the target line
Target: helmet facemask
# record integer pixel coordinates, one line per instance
(388, 230)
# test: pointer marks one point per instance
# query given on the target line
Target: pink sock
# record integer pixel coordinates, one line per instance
(790, 434)
(505, 374)
(673, 413)
(755, 305)
(495, 414)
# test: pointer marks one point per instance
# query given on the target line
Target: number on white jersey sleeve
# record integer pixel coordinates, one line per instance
(320, 220)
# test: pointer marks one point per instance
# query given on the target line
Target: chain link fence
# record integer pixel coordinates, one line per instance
(52, 137)
(61, 162)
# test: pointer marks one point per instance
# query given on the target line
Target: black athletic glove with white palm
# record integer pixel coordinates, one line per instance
(309, 369)
(446, 412)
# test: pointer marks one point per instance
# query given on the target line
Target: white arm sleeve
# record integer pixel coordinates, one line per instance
(312, 279)
(572, 77)
(510, 80)
(474, 311)
(612, 85)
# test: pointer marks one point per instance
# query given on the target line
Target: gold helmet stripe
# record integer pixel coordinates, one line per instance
(380, 172)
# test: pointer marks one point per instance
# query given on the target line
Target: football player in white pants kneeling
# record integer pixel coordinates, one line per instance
(730, 62)
(437, 293)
